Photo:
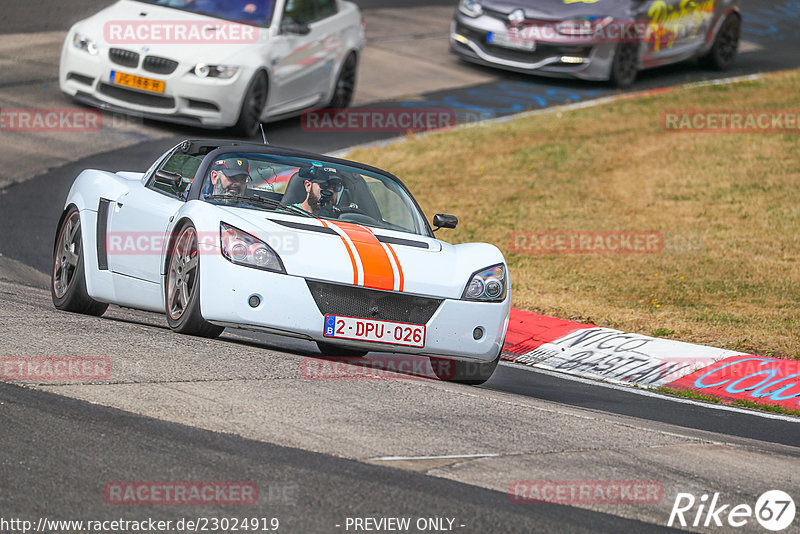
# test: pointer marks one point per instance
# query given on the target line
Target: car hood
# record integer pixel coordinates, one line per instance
(130, 13)
(558, 9)
(352, 254)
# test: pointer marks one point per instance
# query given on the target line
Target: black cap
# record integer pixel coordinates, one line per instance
(231, 167)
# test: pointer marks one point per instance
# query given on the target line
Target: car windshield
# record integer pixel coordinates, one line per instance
(257, 12)
(308, 188)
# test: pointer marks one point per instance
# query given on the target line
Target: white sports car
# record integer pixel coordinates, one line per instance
(215, 63)
(219, 234)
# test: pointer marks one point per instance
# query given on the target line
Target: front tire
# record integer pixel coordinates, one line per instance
(625, 66)
(461, 372)
(68, 277)
(255, 99)
(726, 45)
(182, 288)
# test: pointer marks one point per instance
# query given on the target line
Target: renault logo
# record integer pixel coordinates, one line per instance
(516, 17)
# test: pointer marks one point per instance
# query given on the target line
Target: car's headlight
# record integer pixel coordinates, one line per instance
(82, 42)
(243, 249)
(487, 285)
(202, 70)
(583, 27)
(471, 8)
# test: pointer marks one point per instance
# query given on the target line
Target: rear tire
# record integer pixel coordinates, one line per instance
(335, 351)
(182, 287)
(68, 277)
(625, 66)
(726, 45)
(345, 86)
(461, 372)
(253, 103)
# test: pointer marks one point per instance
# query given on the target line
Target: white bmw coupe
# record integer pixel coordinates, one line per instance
(215, 63)
(223, 234)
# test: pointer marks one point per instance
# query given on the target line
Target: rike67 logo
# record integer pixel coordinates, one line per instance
(774, 510)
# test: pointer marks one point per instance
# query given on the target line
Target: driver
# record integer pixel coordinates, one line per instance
(229, 176)
(321, 185)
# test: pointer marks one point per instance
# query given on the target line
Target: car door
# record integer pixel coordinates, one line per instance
(139, 218)
(675, 28)
(302, 63)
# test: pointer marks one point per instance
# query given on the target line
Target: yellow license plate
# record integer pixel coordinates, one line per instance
(137, 82)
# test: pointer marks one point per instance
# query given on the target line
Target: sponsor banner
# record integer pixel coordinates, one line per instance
(752, 378)
(527, 331)
(615, 356)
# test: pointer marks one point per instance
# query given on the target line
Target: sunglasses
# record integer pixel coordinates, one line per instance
(334, 185)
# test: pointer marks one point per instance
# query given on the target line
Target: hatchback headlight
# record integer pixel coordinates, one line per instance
(243, 249)
(487, 285)
(82, 42)
(201, 70)
(471, 8)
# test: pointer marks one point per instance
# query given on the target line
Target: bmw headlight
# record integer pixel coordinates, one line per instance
(583, 27)
(471, 8)
(82, 42)
(243, 249)
(487, 285)
(201, 70)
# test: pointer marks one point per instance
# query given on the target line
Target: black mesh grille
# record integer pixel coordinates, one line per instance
(135, 97)
(159, 65)
(124, 57)
(350, 301)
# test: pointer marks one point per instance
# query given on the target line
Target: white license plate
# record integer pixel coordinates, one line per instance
(411, 335)
(506, 40)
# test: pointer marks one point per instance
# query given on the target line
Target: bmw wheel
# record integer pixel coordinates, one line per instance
(345, 84)
(255, 99)
(182, 287)
(626, 65)
(68, 277)
(726, 45)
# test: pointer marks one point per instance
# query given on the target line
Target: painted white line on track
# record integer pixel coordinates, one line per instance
(648, 393)
(449, 457)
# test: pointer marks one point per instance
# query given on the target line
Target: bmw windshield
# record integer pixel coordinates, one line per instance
(258, 12)
(310, 188)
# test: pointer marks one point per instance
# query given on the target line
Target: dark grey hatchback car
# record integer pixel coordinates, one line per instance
(596, 39)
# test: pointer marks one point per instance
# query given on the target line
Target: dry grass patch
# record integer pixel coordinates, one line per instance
(728, 206)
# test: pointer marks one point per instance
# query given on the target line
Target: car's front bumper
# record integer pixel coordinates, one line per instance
(187, 99)
(582, 60)
(288, 308)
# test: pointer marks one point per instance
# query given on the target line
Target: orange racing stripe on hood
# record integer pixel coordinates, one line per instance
(378, 272)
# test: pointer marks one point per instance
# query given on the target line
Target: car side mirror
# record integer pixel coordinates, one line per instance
(172, 179)
(440, 220)
(295, 28)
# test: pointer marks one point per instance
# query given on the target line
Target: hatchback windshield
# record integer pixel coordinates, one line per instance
(309, 188)
(250, 11)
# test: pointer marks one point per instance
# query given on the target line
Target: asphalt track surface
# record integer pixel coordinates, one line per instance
(49, 429)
